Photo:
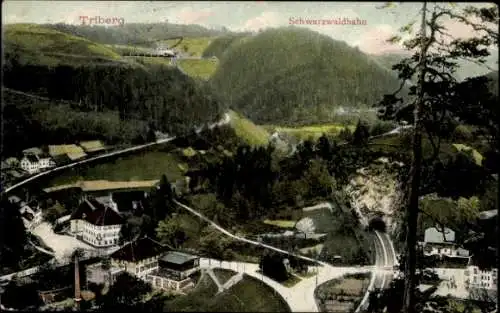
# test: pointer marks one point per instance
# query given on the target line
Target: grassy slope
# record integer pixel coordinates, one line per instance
(203, 68)
(220, 44)
(192, 46)
(140, 166)
(284, 75)
(310, 131)
(248, 131)
(249, 295)
(46, 46)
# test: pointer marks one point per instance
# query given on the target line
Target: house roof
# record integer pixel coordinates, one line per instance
(73, 152)
(485, 215)
(28, 216)
(14, 199)
(61, 158)
(138, 250)
(34, 150)
(31, 158)
(91, 146)
(463, 252)
(96, 213)
(177, 257)
(433, 235)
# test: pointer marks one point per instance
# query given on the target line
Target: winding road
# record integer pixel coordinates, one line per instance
(301, 297)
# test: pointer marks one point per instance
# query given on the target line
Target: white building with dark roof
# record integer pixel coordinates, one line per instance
(32, 163)
(151, 261)
(481, 278)
(139, 257)
(174, 271)
(96, 224)
(441, 242)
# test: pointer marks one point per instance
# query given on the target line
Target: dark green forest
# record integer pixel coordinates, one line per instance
(293, 75)
(221, 44)
(114, 103)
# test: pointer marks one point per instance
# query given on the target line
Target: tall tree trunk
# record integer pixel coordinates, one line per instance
(414, 181)
(498, 209)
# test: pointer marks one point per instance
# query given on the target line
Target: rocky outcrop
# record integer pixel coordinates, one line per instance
(374, 191)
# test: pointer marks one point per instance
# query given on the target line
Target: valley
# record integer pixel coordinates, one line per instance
(181, 167)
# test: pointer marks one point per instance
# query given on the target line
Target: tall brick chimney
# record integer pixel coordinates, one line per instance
(77, 284)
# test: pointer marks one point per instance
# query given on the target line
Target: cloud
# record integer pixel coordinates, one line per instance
(374, 40)
(457, 29)
(190, 16)
(12, 18)
(264, 20)
(74, 16)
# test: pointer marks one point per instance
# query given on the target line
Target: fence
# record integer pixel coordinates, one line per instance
(63, 219)
(23, 273)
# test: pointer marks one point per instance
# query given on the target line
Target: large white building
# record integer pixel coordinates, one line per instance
(33, 164)
(482, 279)
(139, 257)
(96, 224)
(151, 262)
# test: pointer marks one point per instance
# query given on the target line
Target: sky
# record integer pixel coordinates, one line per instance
(371, 37)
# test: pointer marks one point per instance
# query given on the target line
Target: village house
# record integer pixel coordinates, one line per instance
(31, 217)
(481, 279)
(92, 147)
(32, 163)
(441, 242)
(174, 271)
(96, 223)
(71, 152)
(97, 273)
(139, 257)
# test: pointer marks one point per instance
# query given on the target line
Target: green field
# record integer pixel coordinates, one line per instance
(141, 166)
(249, 295)
(192, 46)
(36, 44)
(478, 157)
(223, 275)
(202, 68)
(152, 61)
(248, 131)
(310, 131)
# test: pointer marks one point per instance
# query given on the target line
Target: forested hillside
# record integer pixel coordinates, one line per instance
(125, 94)
(221, 44)
(294, 75)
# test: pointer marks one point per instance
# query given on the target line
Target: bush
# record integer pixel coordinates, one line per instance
(381, 127)
(462, 133)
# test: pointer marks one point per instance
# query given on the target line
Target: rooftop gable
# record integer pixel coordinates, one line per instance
(138, 250)
(97, 214)
(434, 235)
(177, 257)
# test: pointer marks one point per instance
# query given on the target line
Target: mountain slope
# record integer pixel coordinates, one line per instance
(34, 44)
(294, 75)
(466, 69)
(220, 44)
(100, 87)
